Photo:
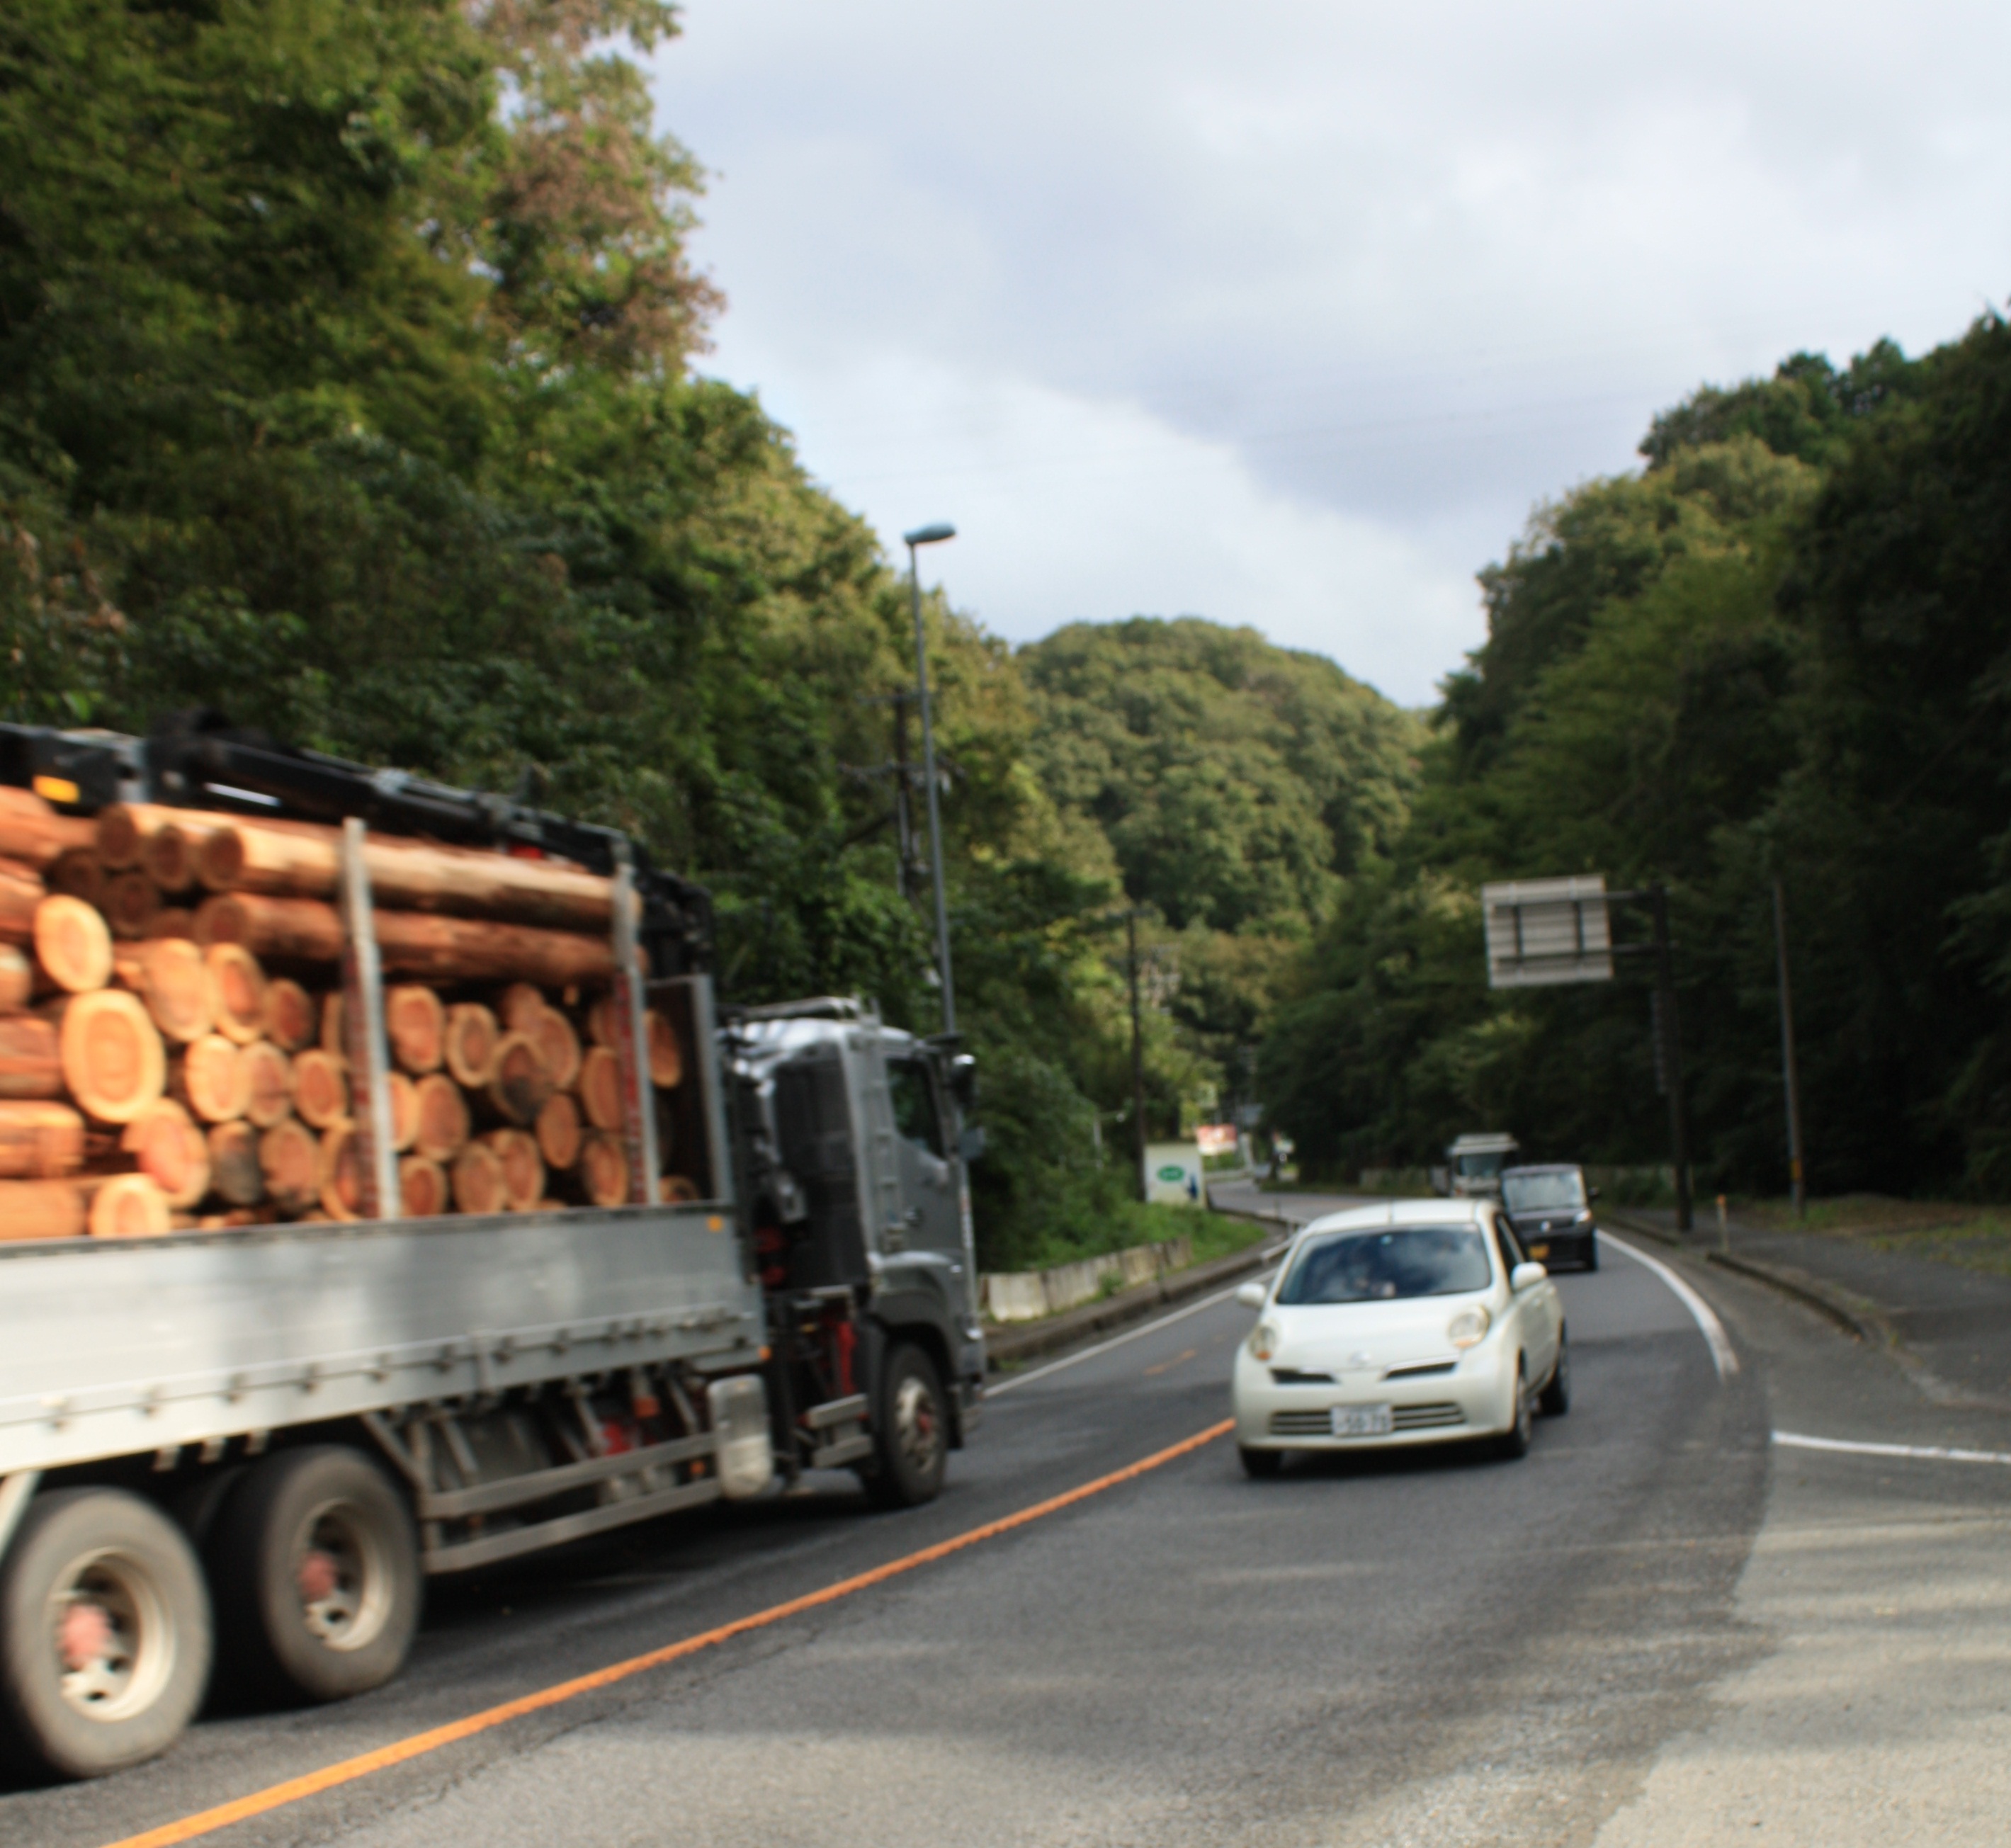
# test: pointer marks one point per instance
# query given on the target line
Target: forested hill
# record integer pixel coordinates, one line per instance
(1237, 783)
(1782, 649)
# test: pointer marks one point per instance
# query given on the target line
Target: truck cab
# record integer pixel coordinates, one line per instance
(860, 1195)
(1474, 1164)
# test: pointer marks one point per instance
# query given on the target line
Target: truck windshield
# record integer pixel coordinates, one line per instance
(1382, 1266)
(1480, 1166)
(914, 1102)
(1563, 1191)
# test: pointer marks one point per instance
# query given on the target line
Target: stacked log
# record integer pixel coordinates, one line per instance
(173, 1045)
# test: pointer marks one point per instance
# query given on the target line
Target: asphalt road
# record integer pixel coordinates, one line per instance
(1185, 1656)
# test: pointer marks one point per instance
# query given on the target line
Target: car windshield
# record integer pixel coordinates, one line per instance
(1388, 1264)
(1543, 1193)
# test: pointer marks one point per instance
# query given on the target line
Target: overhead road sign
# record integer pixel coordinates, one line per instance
(1541, 932)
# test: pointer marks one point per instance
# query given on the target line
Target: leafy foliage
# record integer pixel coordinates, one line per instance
(1779, 651)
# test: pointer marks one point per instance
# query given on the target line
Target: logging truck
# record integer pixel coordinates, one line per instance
(383, 1193)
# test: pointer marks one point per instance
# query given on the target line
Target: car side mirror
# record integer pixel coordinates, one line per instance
(1251, 1295)
(1591, 1193)
(1524, 1275)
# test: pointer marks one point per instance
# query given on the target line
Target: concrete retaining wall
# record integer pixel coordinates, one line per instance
(1023, 1295)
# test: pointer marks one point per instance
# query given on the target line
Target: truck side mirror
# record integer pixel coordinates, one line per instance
(963, 1081)
(1591, 1193)
(970, 1144)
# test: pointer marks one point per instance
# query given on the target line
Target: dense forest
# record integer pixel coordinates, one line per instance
(351, 384)
(1782, 648)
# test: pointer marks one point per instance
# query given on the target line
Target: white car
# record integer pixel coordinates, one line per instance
(1415, 1323)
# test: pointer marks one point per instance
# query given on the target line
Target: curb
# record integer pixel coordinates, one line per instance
(1870, 1328)
(1026, 1341)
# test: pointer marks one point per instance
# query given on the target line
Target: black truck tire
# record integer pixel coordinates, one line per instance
(910, 1432)
(104, 1635)
(315, 1573)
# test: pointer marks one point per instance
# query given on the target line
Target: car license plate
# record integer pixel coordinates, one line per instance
(1361, 1421)
(1539, 1251)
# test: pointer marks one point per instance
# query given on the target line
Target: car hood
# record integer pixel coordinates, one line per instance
(1361, 1336)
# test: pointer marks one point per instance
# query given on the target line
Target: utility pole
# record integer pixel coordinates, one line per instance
(1137, 1054)
(1797, 1175)
(1671, 1044)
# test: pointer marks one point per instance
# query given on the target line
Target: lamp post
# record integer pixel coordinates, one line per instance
(929, 536)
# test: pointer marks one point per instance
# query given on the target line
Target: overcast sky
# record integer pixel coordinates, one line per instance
(1287, 312)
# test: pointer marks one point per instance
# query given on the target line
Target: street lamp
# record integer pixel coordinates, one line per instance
(929, 536)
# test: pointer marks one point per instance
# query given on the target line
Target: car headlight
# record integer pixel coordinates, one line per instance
(1264, 1340)
(1468, 1327)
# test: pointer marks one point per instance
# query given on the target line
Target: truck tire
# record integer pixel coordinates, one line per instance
(315, 1574)
(104, 1635)
(910, 1432)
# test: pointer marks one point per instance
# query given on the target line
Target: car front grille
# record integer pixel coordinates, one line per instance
(1402, 1418)
(1302, 1424)
(1424, 1417)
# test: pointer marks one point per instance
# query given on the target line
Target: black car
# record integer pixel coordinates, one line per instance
(1550, 1208)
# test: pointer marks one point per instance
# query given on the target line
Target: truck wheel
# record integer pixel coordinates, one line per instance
(911, 1435)
(105, 1634)
(316, 1576)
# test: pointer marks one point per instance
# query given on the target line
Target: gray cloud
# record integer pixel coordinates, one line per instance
(1287, 313)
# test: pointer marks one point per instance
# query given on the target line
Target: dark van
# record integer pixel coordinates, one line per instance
(1550, 1208)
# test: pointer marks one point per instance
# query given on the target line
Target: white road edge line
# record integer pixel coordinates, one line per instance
(1936, 1453)
(1723, 1355)
(1129, 1334)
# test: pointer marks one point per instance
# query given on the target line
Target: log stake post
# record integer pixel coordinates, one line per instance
(363, 1028)
(638, 1103)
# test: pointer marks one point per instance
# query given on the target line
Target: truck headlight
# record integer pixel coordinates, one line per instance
(1469, 1326)
(1264, 1339)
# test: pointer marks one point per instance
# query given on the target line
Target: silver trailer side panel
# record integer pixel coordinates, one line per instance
(118, 1349)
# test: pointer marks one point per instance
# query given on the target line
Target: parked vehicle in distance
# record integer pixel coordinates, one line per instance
(1420, 1322)
(1550, 1208)
(1474, 1164)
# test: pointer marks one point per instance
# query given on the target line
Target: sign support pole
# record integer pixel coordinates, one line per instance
(1797, 1174)
(1672, 1051)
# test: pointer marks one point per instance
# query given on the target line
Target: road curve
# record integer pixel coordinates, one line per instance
(1182, 1656)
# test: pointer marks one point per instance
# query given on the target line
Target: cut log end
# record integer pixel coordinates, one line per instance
(270, 1086)
(131, 903)
(130, 1206)
(236, 1170)
(175, 983)
(404, 1111)
(443, 1120)
(290, 1018)
(600, 1087)
(341, 1172)
(472, 1038)
(17, 980)
(559, 1044)
(170, 1148)
(290, 1158)
(113, 1063)
(213, 1079)
(519, 1006)
(477, 1180)
(520, 1083)
(522, 1168)
(422, 1187)
(603, 1169)
(415, 1024)
(667, 1056)
(72, 944)
(559, 1130)
(237, 991)
(321, 1088)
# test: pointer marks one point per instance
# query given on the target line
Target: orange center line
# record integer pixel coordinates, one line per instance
(348, 1769)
